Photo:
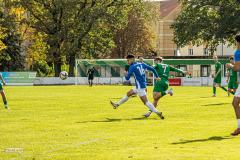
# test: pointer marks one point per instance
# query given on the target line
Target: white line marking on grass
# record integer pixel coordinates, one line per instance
(51, 150)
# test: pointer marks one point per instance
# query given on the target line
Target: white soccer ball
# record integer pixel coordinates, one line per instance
(63, 75)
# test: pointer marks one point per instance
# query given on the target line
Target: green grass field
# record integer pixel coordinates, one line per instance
(78, 122)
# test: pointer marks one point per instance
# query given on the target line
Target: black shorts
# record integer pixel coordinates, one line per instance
(90, 78)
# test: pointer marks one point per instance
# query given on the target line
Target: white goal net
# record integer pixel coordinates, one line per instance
(107, 71)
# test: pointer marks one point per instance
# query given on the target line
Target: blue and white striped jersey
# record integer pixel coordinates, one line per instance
(138, 71)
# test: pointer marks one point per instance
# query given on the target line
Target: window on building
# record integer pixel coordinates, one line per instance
(205, 51)
(205, 70)
(190, 67)
(176, 52)
(190, 51)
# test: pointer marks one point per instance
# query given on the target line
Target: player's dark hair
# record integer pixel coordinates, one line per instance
(130, 56)
(231, 57)
(158, 59)
(237, 37)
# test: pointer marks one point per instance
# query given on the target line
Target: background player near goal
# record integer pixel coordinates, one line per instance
(90, 75)
(217, 77)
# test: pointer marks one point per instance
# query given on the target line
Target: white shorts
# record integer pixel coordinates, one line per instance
(140, 92)
(237, 94)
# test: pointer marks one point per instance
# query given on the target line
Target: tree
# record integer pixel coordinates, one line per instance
(37, 51)
(68, 23)
(2, 45)
(10, 55)
(136, 38)
(207, 22)
(92, 22)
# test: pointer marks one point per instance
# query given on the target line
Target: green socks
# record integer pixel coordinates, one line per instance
(214, 90)
(5, 102)
(224, 88)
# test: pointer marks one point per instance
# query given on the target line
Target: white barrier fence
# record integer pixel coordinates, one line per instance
(196, 81)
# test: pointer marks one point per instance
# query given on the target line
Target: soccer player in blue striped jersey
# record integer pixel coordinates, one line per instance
(146, 77)
(138, 71)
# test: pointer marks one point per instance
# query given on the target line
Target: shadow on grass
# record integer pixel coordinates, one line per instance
(216, 104)
(115, 120)
(114, 98)
(214, 138)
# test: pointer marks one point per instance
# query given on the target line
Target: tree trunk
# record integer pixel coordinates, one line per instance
(57, 67)
(71, 67)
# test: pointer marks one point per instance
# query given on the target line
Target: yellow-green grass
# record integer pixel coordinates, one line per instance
(78, 122)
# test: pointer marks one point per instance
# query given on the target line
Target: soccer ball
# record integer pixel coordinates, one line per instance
(63, 75)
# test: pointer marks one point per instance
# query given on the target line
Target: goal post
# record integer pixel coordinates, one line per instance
(107, 71)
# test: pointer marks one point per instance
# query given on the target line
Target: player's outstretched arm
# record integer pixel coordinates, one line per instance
(147, 74)
(219, 70)
(178, 70)
(235, 67)
(228, 76)
(128, 74)
(151, 69)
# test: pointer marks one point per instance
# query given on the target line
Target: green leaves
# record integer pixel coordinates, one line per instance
(207, 22)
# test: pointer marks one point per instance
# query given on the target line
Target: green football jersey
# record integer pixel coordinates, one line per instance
(233, 74)
(163, 70)
(217, 67)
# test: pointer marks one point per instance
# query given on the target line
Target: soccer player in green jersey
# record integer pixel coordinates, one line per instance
(234, 78)
(2, 92)
(217, 77)
(160, 88)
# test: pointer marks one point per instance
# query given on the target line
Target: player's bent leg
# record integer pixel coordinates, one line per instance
(214, 89)
(123, 100)
(154, 104)
(234, 90)
(150, 106)
(4, 98)
(220, 85)
(131, 92)
(229, 91)
(236, 101)
(155, 94)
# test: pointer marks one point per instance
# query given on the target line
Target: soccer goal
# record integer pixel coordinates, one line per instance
(107, 71)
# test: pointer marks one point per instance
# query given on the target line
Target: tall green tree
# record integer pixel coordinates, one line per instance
(69, 23)
(207, 22)
(136, 38)
(92, 22)
(10, 56)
